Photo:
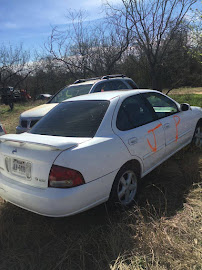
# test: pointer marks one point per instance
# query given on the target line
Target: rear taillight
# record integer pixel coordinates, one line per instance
(61, 177)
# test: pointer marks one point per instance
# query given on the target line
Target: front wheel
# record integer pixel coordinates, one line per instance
(124, 188)
(197, 139)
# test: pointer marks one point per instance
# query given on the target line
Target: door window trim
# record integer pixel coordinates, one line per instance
(149, 107)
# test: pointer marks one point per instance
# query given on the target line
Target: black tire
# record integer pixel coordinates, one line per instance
(124, 188)
(197, 138)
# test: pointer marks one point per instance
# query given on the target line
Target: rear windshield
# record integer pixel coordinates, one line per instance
(73, 119)
(71, 91)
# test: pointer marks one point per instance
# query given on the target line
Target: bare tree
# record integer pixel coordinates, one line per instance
(86, 49)
(14, 66)
(48, 77)
(153, 25)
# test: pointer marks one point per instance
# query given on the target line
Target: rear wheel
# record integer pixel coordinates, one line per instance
(197, 139)
(124, 188)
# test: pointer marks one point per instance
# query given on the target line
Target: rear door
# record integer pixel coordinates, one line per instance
(136, 124)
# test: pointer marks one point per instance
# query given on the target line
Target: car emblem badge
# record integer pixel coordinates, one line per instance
(14, 151)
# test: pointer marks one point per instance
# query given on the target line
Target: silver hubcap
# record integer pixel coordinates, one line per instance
(127, 187)
(198, 137)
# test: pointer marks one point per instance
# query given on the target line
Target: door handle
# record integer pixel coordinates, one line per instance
(167, 125)
(132, 141)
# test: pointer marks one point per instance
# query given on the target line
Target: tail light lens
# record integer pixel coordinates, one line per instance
(61, 177)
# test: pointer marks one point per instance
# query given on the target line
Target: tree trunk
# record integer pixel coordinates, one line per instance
(156, 79)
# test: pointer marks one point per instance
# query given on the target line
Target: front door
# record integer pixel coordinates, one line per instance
(176, 124)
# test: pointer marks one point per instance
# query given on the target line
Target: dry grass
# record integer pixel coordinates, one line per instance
(162, 232)
(10, 119)
(185, 90)
(168, 242)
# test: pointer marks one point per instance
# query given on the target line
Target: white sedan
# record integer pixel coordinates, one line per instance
(92, 149)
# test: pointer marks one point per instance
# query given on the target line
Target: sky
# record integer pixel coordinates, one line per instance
(29, 21)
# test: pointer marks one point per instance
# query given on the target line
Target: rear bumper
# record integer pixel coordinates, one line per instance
(55, 202)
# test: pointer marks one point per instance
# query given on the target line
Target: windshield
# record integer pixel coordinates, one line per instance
(71, 91)
(73, 119)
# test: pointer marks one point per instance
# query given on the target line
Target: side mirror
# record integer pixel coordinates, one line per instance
(184, 107)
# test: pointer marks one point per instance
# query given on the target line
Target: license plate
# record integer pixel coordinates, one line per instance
(21, 167)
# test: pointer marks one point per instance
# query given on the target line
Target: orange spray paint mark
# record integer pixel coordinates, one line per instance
(177, 121)
(153, 148)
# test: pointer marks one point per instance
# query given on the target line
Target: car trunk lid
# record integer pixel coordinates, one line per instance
(27, 158)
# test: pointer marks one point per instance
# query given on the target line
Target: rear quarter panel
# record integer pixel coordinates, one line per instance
(96, 158)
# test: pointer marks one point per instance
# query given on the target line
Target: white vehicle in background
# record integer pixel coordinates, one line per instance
(92, 149)
(80, 87)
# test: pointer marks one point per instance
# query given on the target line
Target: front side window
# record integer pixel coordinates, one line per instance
(102, 87)
(133, 113)
(162, 105)
(71, 91)
(110, 86)
(73, 119)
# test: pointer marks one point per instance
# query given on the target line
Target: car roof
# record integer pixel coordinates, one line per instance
(84, 83)
(100, 79)
(108, 95)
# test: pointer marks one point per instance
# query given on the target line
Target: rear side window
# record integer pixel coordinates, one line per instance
(133, 113)
(73, 119)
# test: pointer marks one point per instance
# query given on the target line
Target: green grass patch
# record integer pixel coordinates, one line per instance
(192, 99)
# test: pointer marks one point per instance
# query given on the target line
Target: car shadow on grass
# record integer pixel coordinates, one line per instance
(96, 238)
